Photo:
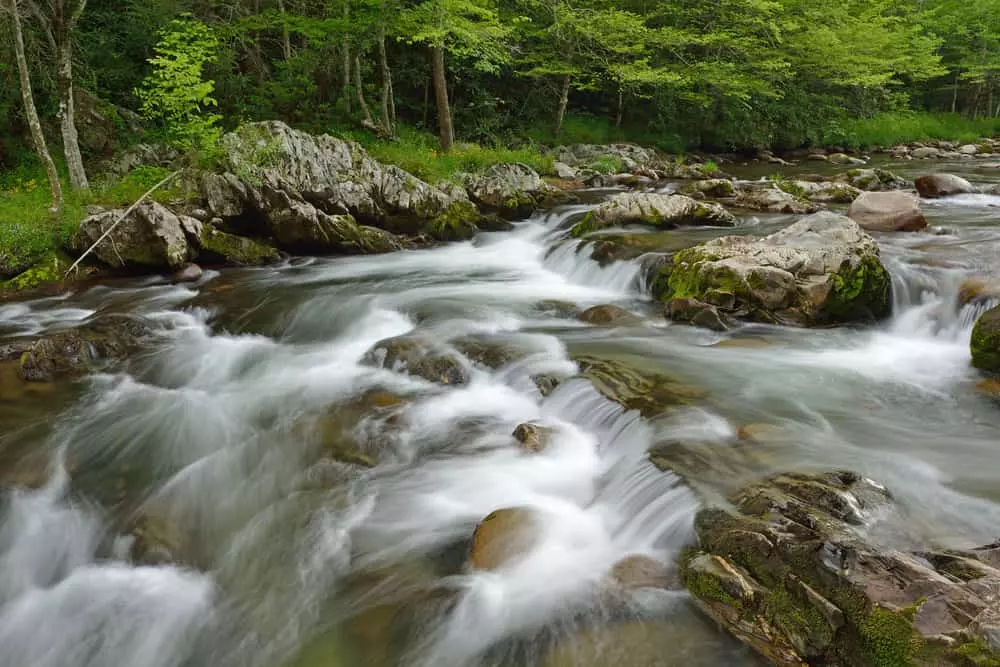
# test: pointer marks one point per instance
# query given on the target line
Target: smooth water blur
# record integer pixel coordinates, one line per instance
(211, 443)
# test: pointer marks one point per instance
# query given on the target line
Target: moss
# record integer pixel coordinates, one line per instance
(792, 188)
(985, 341)
(977, 653)
(589, 223)
(889, 637)
(800, 620)
(236, 249)
(457, 222)
(49, 270)
(703, 585)
(859, 292)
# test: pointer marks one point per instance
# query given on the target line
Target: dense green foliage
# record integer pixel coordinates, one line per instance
(674, 73)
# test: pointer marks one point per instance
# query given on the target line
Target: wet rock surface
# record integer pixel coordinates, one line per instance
(655, 210)
(888, 212)
(790, 574)
(985, 342)
(419, 357)
(942, 185)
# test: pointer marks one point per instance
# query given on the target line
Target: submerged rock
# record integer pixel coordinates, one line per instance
(502, 537)
(789, 575)
(609, 315)
(641, 572)
(888, 212)
(978, 290)
(416, 356)
(985, 342)
(822, 269)
(656, 210)
(152, 237)
(630, 384)
(92, 346)
(942, 185)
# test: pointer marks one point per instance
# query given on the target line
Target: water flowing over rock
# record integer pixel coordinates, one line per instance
(822, 269)
(152, 237)
(652, 209)
(985, 343)
(790, 575)
(418, 357)
(888, 212)
(942, 185)
(634, 386)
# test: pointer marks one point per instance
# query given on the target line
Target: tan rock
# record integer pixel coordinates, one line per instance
(887, 212)
(503, 536)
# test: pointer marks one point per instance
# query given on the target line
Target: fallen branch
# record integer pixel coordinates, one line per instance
(124, 215)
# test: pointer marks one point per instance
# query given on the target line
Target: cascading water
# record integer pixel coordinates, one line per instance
(210, 455)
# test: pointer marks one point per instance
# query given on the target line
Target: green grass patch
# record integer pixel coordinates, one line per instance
(590, 129)
(889, 129)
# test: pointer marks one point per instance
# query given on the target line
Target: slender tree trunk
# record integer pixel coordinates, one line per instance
(427, 102)
(445, 129)
(366, 114)
(67, 114)
(954, 94)
(386, 79)
(286, 38)
(31, 113)
(620, 109)
(346, 60)
(563, 103)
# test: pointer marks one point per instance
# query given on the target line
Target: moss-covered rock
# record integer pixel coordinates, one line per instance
(655, 210)
(48, 270)
(775, 199)
(823, 269)
(219, 246)
(985, 342)
(458, 222)
(790, 575)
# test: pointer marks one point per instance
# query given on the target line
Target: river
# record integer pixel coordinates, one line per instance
(291, 558)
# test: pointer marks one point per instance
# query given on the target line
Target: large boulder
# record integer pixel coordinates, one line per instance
(101, 125)
(985, 342)
(510, 188)
(151, 237)
(888, 212)
(657, 210)
(822, 269)
(792, 575)
(630, 157)
(773, 200)
(217, 246)
(942, 185)
(94, 345)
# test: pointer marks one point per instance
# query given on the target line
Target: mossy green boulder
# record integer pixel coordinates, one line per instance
(985, 343)
(791, 574)
(654, 210)
(823, 269)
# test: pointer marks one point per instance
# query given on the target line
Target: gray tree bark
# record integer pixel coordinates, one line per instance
(446, 130)
(563, 103)
(366, 114)
(65, 14)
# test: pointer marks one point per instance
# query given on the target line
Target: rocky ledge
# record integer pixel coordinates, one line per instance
(790, 574)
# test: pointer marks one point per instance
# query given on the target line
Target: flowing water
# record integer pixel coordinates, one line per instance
(280, 555)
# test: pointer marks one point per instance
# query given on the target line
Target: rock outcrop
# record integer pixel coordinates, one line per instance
(942, 185)
(152, 237)
(888, 212)
(985, 342)
(512, 189)
(790, 575)
(656, 210)
(823, 269)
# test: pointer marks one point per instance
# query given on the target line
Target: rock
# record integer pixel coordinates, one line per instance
(141, 155)
(985, 342)
(942, 185)
(607, 315)
(640, 572)
(822, 269)
(415, 356)
(698, 313)
(488, 353)
(510, 188)
(12, 264)
(632, 385)
(189, 273)
(790, 575)
(564, 171)
(533, 438)
(546, 383)
(100, 125)
(968, 149)
(92, 346)
(502, 537)
(925, 152)
(840, 158)
(157, 540)
(773, 200)
(978, 290)
(873, 179)
(678, 641)
(219, 247)
(629, 156)
(888, 212)
(653, 209)
(152, 237)
(824, 192)
(818, 157)
(713, 187)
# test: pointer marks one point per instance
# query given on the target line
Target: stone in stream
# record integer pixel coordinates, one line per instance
(942, 185)
(773, 200)
(607, 315)
(823, 192)
(656, 210)
(189, 273)
(873, 180)
(712, 187)
(978, 290)
(533, 437)
(888, 212)
(415, 356)
(502, 537)
(697, 313)
(985, 342)
(630, 383)
(790, 574)
(91, 346)
(925, 152)
(641, 572)
(823, 269)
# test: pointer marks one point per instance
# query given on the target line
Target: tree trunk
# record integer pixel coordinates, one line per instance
(366, 114)
(620, 109)
(386, 77)
(563, 103)
(67, 113)
(445, 129)
(286, 38)
(954, 95)
(31, 113)
(346, 60)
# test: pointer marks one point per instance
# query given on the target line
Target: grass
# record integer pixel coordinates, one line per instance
(28, 230)
(418, 153)
(888, 129)
(589, 129)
